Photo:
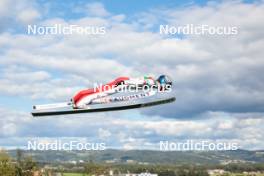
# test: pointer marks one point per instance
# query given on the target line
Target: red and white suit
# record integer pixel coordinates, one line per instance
(85, 97)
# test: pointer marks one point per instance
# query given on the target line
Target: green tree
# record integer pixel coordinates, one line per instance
(93, 168)
(7, 168)
(25, 165)
(167, 173)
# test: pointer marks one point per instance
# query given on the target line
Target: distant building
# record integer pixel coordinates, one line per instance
(131, 161)
(111, 173)
(141, 174)
(73, 162)
(225, 162)
(143, 163)
(216, 172)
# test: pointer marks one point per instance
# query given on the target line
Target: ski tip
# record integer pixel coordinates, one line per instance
(33, 114)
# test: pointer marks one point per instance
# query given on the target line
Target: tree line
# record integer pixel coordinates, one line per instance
(22, 166)
(25, 166)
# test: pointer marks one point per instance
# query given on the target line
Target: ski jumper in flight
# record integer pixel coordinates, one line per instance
(85, 97)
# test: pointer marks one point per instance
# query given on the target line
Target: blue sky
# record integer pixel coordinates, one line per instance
(129, 7)
(217, 78)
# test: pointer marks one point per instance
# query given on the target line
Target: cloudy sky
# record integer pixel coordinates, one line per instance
(218, 79)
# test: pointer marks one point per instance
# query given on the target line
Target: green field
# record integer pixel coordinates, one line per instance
(240, 174)
(74, 174)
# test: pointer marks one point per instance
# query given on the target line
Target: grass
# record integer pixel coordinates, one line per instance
(240, 174)
(74, 174)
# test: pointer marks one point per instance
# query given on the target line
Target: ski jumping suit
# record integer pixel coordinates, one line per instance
(85, 97)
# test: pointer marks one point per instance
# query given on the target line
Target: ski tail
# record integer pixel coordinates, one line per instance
(52, 106)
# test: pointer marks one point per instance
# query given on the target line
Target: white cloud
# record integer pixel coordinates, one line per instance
(118, 132)
(4, 7)
(96, 9)
(18, 12)
(11, 73)
(28, 16)
(103, 134)
(9, 129)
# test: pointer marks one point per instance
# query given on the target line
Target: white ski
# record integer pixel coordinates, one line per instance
(52, 106)
(131, 105)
